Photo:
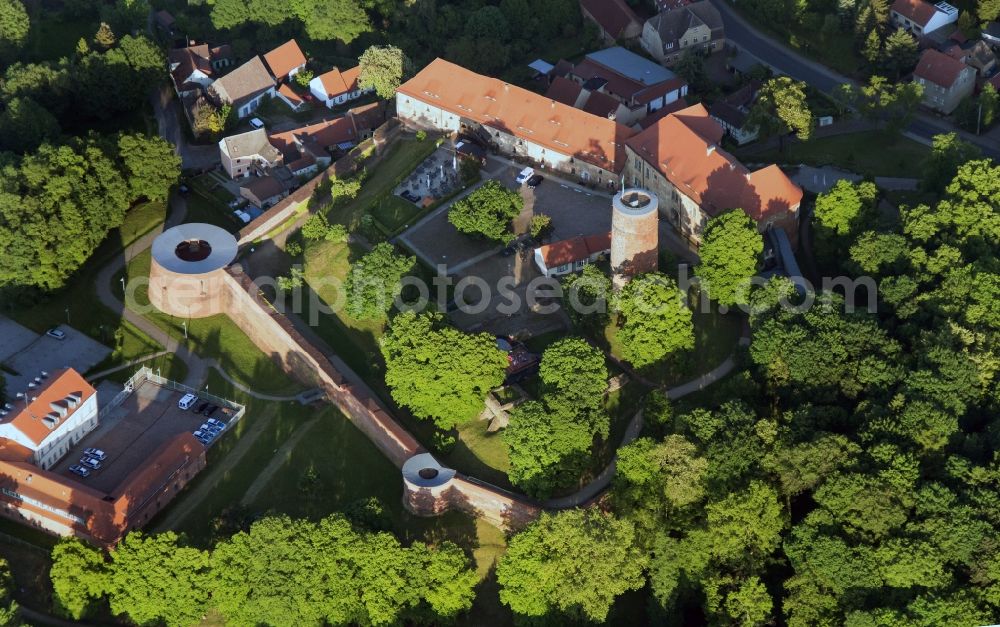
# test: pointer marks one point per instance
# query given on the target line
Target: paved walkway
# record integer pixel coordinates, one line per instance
(821, 179)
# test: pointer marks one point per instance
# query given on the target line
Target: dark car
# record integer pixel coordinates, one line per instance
(184, 189)
(201, 407)
(410, 196)
(535, 181)
(208, 411)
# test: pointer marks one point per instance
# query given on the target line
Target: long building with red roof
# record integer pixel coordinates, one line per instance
(519, 122)
(679, 159)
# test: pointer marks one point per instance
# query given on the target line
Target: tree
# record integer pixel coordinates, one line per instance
(383, 68)
(268, 12)
(575, 378)
(487, 211)
(573, 563)
(153, 579)
(325, 20)
(988, 10)
(873, 48)
(303, 78)
(14, 26)
(586, 298)
(151, 164)
(746, 524)
(691, 67)
(25, 125)
(228, 14)
(540, 224)
(948, 153)
(126, 16)
(548, 448)
(782, 107)
(669, 473)
(79, 577)
(656, 319)
(105, 38)
(373, 282)
(56, 207)
(437, 371)
(900, 52)
(845, 207)
(729, 253)
(887, 104)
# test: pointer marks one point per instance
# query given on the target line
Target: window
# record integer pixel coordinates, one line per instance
(670, 45)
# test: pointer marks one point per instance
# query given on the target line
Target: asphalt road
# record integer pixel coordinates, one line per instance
(783, 59)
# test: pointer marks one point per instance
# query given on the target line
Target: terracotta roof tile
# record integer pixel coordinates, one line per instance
(938, 68)
(614, 16)
(284, 59)
(683, 146)
(574, 249)
(564, 90)
(915, 10)
(290, 94)
(56, 389)
(336, 82)
(524, 114)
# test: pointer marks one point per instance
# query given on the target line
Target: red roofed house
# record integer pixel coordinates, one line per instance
(62, 409)
(679, 159)
(920, 17)
(285, 61)
(288, 95)
(616, 20)
(571, 255)
(336, 87)
(519, 122)
(40, 430)
(946, 81)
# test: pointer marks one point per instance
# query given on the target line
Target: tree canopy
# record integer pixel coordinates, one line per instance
(487, 211)
(729, 252)
(437, 371)
(656, 319)
(574, 563)
(14, 25)
(383, 68)
(374, 282)
(782, 107)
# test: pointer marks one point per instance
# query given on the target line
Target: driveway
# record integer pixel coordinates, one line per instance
(169, 117)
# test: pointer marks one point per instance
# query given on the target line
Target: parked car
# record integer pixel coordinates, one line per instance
(184, 189)
(77, 469)
(211, 409)
(90, 462)
(525, 174)
(220, 424)
(96, 453)
(243, 216)
(201, 407)
(187, 401)
(256, 123)
(535, 181)
(410, 196)
(56, 333)
(202, 437)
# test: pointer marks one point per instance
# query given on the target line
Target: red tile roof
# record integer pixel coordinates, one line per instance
(317, 136)
(915, 10)
(336, 82)
(614, 16)
(524, 114)
(601, 104)
(284, 59)
(683, 146)
(938, 68)
(290, 94)
(574, 249)
(54, 391)
(662, 112)
(564, 90)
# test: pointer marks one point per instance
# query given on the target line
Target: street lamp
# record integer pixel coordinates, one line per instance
(185, 325)
(123, 285)
(67, 315)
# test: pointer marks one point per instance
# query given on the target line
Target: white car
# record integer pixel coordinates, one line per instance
(243, 216)
(90, 462)
(187, 401)
(56, 333)
(525, 174)
(96, 453)
(256, 123)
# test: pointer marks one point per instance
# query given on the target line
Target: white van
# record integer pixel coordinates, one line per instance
(187, 401)
(525, 174)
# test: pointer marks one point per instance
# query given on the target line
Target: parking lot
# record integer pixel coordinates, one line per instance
(27, 353)
(573, 211)
(130, 435)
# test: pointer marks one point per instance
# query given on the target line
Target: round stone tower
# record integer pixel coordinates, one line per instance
(634, 235)
(187, 270)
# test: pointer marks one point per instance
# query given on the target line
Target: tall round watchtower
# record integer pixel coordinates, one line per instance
(187, 270)
(634, 235)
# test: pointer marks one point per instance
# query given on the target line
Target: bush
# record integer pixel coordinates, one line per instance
(293, 248)
(337, 233)
(421, 136)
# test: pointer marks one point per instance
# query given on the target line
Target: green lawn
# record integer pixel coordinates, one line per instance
(870, 154)
(406, 154)
(217, 337)
(395, 212)
(142, 219)
(210, 211)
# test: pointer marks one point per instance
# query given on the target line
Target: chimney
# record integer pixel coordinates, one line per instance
(710, 149)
